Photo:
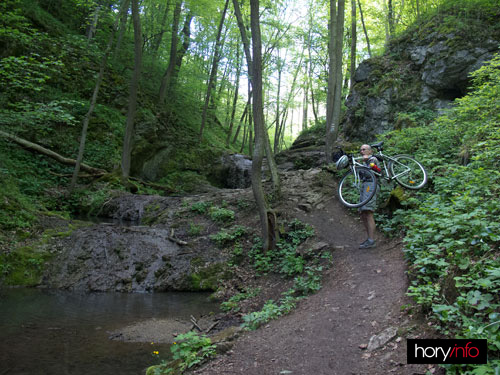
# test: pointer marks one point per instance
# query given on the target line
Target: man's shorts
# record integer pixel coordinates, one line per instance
(371, 205)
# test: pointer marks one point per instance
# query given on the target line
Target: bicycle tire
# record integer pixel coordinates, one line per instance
(349, 189)
(408, 172)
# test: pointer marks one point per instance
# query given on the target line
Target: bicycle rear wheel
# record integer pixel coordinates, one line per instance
(408, 172)
(356, 189)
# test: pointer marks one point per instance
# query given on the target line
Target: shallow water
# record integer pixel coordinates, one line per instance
(54, 332)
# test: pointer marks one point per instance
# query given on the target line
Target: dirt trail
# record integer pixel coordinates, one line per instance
(361, 297)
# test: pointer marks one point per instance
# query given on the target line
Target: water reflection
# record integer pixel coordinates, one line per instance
(54, 332)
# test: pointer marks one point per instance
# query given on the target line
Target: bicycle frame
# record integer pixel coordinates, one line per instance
(386, 160)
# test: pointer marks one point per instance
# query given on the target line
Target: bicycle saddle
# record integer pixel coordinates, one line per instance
(378, 146)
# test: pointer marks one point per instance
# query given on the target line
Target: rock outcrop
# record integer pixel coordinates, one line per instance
(421, 74)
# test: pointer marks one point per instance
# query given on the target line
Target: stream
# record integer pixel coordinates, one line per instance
(56, 332)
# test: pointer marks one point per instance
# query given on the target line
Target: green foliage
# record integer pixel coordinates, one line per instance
(188, 350)
(284, 259)
(309, 282)
(225, 237)
(183, 181)
(23, 266)
(269, 312)
(201, 207)
(233, 303)
(194, 229)
(452, 229)
(191, 349)
(15, 30)
(16, 210)
(221, 215)
(26, 73)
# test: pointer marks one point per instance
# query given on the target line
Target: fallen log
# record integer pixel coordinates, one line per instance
(51, 154)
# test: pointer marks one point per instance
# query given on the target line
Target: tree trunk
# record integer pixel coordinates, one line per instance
(235, 98)
(258, 115)
(213, 72)
(334, 94)
(354, 36)
(165, 81)
(244, 37)
(93, 26)
(93, 101)
(245, 111)
(364, 29)
(390, 18)
(244, 118)
(186, 31)
(159, 37)
(331, 79)
(134, 85)
(338, 69)
(246, 46)
(277, 120)
(305, 105)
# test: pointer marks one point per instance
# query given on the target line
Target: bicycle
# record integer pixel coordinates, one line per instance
(361, 181)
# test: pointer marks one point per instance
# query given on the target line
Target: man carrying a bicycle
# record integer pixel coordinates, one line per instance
(366, 211)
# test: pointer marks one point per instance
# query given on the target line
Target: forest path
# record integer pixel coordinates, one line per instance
(361, 297)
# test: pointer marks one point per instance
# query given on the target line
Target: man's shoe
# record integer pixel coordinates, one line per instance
(369, 243)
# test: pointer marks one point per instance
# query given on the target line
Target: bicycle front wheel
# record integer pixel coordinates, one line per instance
(357, 188)
(408, 172)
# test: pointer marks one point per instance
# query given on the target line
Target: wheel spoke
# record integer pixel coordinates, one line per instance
(352, 187)
(408, 172)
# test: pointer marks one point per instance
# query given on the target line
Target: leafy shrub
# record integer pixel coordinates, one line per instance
(452, 229)
(201, 207)
(188, 350)
(221, 215)
(232, 303)
(269, 312)
(224, 236)
(191, 349)
(310, 282)
(284, 259)
(16, 210)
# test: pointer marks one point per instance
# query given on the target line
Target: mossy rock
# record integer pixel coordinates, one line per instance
(23, 266)
(207, 278)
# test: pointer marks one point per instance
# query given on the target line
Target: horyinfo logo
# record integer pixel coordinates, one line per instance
(450, 351)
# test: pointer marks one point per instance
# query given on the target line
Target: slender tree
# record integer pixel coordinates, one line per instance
(280, 65)
(267, 146)
(235, 98)
(334, 95)
(134, 86)
(213, 71)
(165, 82)
(390, 17)
(354, 36)
(93, 101)
(158, 38)
(258, 119)
(245, 113)
(93, 25)
(186, 32)
(364, 29)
